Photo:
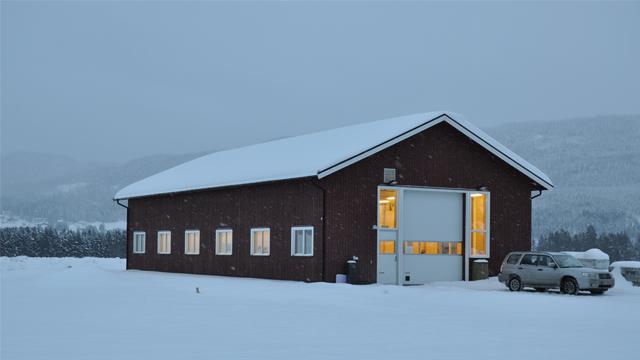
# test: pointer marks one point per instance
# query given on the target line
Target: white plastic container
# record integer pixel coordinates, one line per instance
(341, 278)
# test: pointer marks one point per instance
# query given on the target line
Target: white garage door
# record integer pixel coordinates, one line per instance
(432, 231)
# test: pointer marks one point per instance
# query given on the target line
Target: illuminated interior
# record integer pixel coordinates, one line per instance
(450, 248)
(432, 248)
(478, 243)
(478, 224)
(192, 242)
(478, 212)
(387, 205)
(224, 242)
(164, 242)
(387, 247)
(260, 241)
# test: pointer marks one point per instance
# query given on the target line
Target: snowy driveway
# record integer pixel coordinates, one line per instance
(93, 309)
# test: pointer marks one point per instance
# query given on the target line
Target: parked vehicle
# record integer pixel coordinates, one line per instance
(630, 270)
(593, 258)
(549, 270)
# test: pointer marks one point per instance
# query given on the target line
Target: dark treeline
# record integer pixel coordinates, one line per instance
(618, 246)
(51, 242)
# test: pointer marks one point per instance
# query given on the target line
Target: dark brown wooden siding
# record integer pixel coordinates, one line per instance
(278, 206)
(439, 157)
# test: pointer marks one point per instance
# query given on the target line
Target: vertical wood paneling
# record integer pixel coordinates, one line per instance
(278, 206)
(439, 157)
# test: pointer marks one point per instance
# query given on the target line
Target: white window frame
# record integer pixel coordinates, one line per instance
(293, 240)
(144, 242)
(186, 243)
(487, 230)
(164, 232)
(397, 214)
(230, 235)
(255, 230)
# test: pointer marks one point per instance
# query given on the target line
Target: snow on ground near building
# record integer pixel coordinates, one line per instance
(94, 309)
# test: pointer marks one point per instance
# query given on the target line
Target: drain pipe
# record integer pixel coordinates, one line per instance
(126, 230)
(536, 195)
(324, 228)
(118, 202)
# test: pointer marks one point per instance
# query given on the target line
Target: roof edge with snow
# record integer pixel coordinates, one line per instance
(174, 180)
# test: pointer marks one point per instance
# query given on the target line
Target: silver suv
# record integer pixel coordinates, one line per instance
(547, 270)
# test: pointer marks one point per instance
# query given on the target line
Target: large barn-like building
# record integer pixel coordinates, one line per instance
(414, 199)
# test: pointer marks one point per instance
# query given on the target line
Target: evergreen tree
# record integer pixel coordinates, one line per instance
(62, 242)
(617, 245)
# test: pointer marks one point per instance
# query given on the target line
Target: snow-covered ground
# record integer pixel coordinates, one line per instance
(94, 309)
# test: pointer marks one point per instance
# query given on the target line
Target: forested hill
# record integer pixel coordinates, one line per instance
(54, 187)
(594, 163)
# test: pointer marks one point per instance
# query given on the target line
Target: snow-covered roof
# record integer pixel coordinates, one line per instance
(627, 264)
(591, 254)
(316, 154)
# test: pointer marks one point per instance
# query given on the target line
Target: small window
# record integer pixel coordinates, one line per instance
(387, 247)
(387, 205)
(479, 217)
(545, 260)
(432, 248)
(164, 242)
(224, 242)
(450, 248)
(139, 238)
(513, 259)
(260, 242)
(529, 260)
(192, 242)
(302, 241)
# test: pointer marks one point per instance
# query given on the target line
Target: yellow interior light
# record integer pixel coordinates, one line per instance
(387, 208)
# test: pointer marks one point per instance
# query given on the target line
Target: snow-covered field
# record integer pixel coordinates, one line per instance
(94, 309)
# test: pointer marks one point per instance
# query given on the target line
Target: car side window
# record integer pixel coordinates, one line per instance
(545, 261)
(513, 259)
(529, 259)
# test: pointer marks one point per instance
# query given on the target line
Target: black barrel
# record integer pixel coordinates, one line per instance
(479, 269)
(352, 271)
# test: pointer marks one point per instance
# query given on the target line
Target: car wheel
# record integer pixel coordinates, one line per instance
(569, 286)
(596, 292)
(515, 284)
(540, 289)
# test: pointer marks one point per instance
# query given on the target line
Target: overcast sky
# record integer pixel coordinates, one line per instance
(114, 81)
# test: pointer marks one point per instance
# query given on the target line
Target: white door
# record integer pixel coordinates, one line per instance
(432, 232)
(387, 257)
(387, 242)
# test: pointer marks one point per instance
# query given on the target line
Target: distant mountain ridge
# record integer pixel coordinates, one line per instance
(53, 187)
(594, 163)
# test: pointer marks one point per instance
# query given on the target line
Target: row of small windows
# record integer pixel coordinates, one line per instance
(388, 247)
(301, 242)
